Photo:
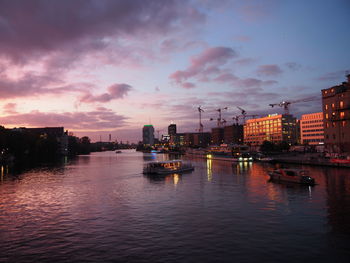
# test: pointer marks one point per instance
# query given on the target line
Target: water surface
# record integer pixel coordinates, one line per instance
(101, 208)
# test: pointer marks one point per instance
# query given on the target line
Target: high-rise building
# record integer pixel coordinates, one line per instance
(336, 114)
(172, 129)
(148, 135)
(274, 128)
(311, 128)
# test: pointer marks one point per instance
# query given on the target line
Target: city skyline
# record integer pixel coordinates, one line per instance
(110, 67)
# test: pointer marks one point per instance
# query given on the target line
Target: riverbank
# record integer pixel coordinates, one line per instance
(308, 159)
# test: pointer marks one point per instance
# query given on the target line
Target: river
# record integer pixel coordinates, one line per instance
(101, 208)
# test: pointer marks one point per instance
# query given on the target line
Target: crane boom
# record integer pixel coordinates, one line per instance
(286, 104)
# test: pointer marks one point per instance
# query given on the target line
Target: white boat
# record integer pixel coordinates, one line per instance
(167, 167)
(298, 176)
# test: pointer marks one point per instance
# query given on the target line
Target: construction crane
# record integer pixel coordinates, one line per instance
(285, 104)
(200, 110)
(236, 118)
(243, 112)
(220, 121)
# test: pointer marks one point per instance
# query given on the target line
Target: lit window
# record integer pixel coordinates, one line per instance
(342, 114)
(343, 123)
(326, 106)
(333, 105)
(341, 104)
(326, 115)
(333, 123)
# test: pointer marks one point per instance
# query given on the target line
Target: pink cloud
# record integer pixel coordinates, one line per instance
(188, 85)
(226, 77)
(269, 70)
(95, 120)
(115, 91)
(207, 62)
(10, 108)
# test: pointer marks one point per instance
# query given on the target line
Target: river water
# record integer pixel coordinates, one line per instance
(101, 208)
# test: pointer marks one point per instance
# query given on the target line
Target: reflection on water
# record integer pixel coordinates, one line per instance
(209, 169)
(101, 208)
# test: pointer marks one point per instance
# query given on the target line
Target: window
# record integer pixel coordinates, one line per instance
(333, 105)
(342, 114)
(326, 115)
(341, 104)
(326, 106)
(343, 123)
(333, 124)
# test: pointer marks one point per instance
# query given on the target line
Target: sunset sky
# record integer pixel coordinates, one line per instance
(109, 67)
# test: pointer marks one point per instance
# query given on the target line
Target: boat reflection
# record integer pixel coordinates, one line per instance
(167, 179)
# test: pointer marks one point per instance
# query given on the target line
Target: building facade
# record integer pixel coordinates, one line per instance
(148, 135)
(336, 114)
(274, 128)
(217, 135)
(311, 129)
(172, 129)
(233, 134)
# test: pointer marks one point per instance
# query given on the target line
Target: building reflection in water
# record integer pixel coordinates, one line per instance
(338, 199)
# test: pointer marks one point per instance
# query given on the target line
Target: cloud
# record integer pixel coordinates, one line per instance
(334, 76)
(245, 61)
(293, 66)
(269, 70)
(115, 91)
(30, 84)
(34, 28)
(94, 120)
(226, 77)
(10, 108)
(207, 62)
(188, 85)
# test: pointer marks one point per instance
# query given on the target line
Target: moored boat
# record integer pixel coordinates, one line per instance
(298, 176)
(167, 167)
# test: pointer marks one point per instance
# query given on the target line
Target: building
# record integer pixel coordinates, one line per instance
(274, 128)
(311, 129)
(336, 114)
(54, 132)
(217, 135)
(148, 135)
(233, 134)
(172, 129)
(177, 140)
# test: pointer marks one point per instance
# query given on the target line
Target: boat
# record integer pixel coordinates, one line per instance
(233, 153)
(167, 167)
(341, 159)
(298, 176)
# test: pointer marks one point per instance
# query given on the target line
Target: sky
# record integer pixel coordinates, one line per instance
(100, 67)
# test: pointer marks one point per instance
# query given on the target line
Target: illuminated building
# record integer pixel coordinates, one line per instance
(148, 135)
(274, 128)
(336, 114)
(311, 128)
